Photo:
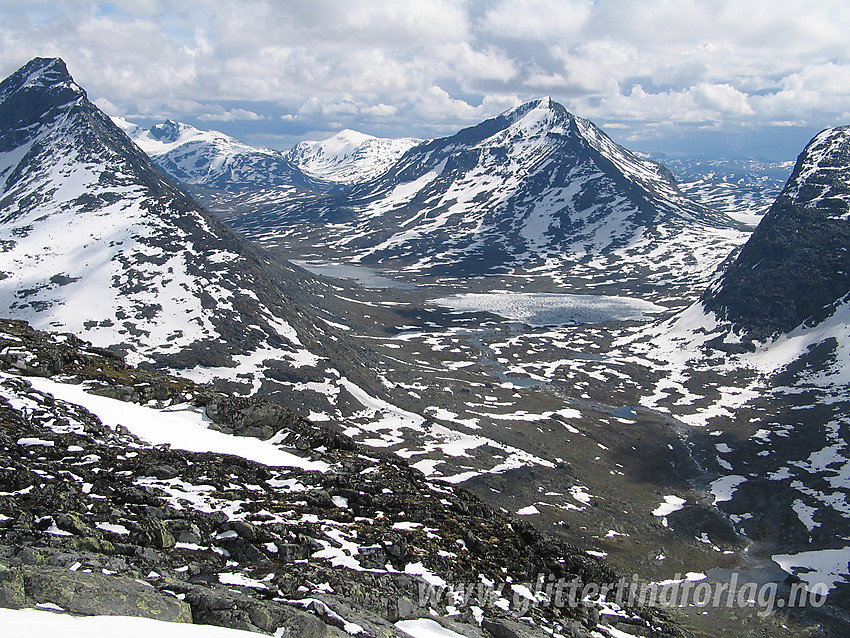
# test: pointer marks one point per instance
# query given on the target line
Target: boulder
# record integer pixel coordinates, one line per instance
(88, 593)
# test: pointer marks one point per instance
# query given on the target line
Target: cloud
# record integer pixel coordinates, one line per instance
(817, 88)
(220, 114)
(721, 98)
(425, 65)
(464, 61)
(538, 19)
(380, 110)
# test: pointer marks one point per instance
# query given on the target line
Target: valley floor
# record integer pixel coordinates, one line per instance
(604, 432)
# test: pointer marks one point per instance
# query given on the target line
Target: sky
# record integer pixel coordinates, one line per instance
(724, 78)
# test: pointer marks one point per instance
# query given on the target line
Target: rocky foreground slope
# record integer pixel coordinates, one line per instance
(117, 497)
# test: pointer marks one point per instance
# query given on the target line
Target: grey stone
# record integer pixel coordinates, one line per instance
(95, 594)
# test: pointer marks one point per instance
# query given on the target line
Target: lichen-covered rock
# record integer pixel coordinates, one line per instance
(91, 593)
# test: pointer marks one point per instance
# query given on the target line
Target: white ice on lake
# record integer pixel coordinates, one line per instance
(551, 309)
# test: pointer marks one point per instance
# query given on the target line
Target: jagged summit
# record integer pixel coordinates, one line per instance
(40, 73)
(35, 94)
(795, 268)
(168, 131)
(542, 104)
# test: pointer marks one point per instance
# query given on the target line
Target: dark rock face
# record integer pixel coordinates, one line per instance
(252, 416)
(795, 268)
(25, 103)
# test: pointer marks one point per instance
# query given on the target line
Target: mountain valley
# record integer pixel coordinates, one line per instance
(520, 331)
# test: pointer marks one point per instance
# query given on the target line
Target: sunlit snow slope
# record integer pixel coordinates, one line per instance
(212, 159)
(349, 157)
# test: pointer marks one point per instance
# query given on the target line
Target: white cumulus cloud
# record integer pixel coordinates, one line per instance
(421, 67)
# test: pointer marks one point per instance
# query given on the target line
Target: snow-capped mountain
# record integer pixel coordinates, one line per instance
(97, 242)
(217, 161)
(535, 186)
(795, 268)
(214, 160)
(349, 157)
(531, 183)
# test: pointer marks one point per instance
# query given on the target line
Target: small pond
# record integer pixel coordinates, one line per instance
(368, 277)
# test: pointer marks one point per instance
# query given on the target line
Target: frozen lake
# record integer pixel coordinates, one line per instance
(551, 309)
(365, 276)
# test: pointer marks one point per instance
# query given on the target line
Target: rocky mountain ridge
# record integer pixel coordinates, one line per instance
(98, 242)
(802, 239)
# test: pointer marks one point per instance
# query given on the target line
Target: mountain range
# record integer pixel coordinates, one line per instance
(212, 159)
(217, 161)
(744, 189)
(701, 431)
(535, 193)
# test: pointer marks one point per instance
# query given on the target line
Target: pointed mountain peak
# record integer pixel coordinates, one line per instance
(542, 111)
(53, 65)
(49, 70)
(41, 74)
(37, 92)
